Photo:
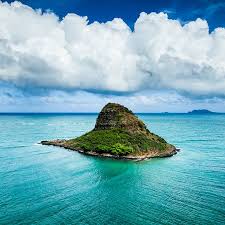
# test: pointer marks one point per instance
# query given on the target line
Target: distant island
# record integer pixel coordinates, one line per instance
(201, 111)
(118, 133)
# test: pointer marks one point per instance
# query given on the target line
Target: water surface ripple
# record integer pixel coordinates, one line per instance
(49, 185)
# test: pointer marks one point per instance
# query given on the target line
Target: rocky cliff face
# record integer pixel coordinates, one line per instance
(116, 116)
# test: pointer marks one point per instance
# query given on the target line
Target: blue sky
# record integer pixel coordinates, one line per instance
(104, 10)
(74, 56)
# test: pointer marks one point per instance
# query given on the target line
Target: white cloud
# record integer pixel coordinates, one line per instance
(39, 50)
(15, 100)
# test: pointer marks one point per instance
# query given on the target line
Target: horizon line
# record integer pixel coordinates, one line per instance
(189, 112)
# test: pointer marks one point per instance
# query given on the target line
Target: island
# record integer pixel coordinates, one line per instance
(201, 111)
(119, 134)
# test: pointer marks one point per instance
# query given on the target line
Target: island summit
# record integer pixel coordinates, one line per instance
(118, 133)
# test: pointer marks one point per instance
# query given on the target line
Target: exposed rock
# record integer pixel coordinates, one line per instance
(116, 116)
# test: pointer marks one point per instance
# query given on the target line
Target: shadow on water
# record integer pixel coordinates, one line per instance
(107, 168)
(111, 168)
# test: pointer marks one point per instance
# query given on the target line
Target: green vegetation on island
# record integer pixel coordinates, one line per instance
(118, 141)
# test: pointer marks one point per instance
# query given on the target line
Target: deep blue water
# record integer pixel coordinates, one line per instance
(49, 185)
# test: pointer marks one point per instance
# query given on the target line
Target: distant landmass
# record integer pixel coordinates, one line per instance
(201, 111)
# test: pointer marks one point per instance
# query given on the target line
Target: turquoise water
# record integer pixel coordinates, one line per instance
(49, 185)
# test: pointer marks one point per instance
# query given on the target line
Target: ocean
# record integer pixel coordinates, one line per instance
(50, 185)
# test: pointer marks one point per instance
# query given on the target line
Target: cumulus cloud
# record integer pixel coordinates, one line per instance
(39, 50)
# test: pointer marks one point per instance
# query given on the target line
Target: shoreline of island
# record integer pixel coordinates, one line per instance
(62, 143)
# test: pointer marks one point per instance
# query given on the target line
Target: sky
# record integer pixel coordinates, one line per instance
(77, 55)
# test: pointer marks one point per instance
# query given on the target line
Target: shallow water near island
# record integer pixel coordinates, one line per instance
(50, 185)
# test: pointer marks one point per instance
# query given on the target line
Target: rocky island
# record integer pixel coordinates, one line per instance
(118, 133)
